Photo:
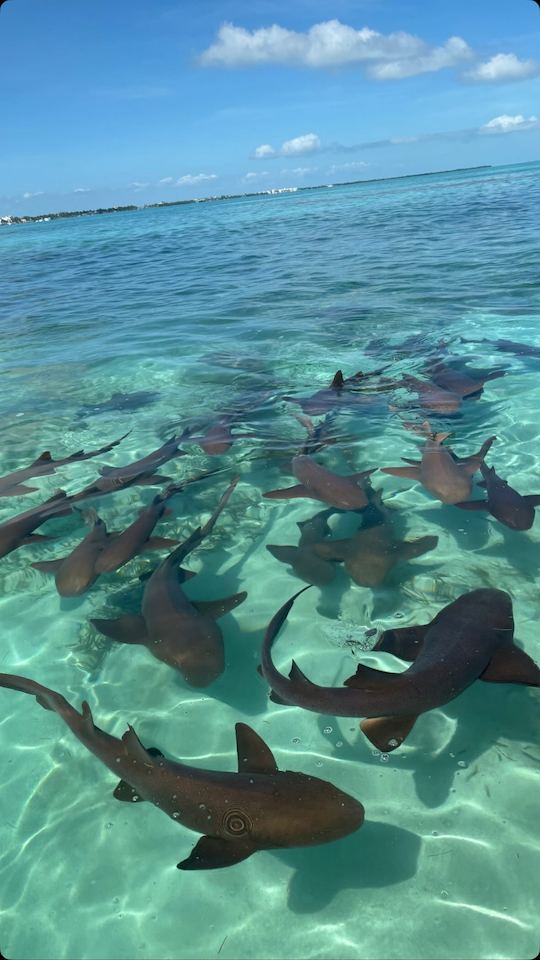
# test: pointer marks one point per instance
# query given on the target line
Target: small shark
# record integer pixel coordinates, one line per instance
(446, 476)
(13, 484)
(371, 554)
(18, 530)
(180, 632)
(470, 639)
(503, 502)
(303, 559)
(258, 808)
(75, 573)
(460, 382)
(140, 472)
(317, 482)
(119, 401)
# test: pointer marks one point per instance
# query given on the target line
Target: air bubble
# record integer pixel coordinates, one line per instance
(461, 763)
(339, 743)
(393, 742)
(202, 806)
(328, 730)
(296, 740)
(445, 894)
(384, 758)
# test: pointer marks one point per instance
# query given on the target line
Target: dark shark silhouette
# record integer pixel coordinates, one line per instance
(258, 808)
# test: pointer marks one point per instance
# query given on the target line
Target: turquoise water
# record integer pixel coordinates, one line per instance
(205, 305)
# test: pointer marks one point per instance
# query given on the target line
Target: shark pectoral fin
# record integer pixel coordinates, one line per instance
(47, 566)
(472, 505)
(288, 493)
(159, 543)
(127, 629)
(284, 554)
(254, 756)
(510, 664)
(412, 473)
(213, 852)
(333, 550)
(218, 608)
(125, 792)
(184, 575)
(415, 463)
(18, 490)
(297, 676)
(367, 676)
(405, 642)
(275, 698)
(410, 549)
(387, 733)
(533, 499)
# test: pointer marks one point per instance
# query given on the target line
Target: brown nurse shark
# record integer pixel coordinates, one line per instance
(180, 632)
(13, 485)
(371, 554)
(303, 559)
(18, 530)
(317, 482)
(446, 476)
(258, 808)
(75, 573)
(503, 502)
(459, 381)
(470, 639)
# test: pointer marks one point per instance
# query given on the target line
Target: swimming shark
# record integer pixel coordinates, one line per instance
(317, 482)
(75, 573)
(370, 555)
(140, 472)
(459, 381)
(13, 484)
(469, 639)
(18, 530)
(303, 559)
(446, 476)
(503, 502)
(258, 808)
(432, 397)
(180, 632)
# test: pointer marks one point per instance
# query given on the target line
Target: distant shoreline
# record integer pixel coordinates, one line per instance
(66, 214)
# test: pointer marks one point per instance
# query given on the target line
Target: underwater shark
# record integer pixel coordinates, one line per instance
(258, 808)
(469, 639)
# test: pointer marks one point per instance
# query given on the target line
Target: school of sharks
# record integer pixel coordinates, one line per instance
(472, 638)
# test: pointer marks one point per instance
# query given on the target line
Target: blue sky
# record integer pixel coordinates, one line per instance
(135, 101)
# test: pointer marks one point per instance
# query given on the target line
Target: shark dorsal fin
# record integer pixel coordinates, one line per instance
(254, 756)
(338, 381)
(135, 747)
(45, 457)
(296, 676)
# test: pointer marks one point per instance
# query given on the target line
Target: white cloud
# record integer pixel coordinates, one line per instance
(308, 143)
(167, 180)
(265, 150)
(352, 165)
(504, 66)
(256, 176)
(137, 185)
(191, 178)
(330, 44)
(298, 171)
(507, 124)
(28, 195)
(81, 190)
(454, 51)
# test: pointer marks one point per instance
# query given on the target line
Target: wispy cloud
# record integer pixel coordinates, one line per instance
(28, 195)
(507, 124)
(191, 178)
(502, 68)
(254, 175)
(166, 180)
(307, 143)
(347, 167)
(137, 185)
(81, 190)
(298, 171)
(333, 44)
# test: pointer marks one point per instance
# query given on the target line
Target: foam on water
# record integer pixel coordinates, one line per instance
(201, 305)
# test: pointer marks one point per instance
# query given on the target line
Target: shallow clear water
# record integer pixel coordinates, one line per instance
(203, 304)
